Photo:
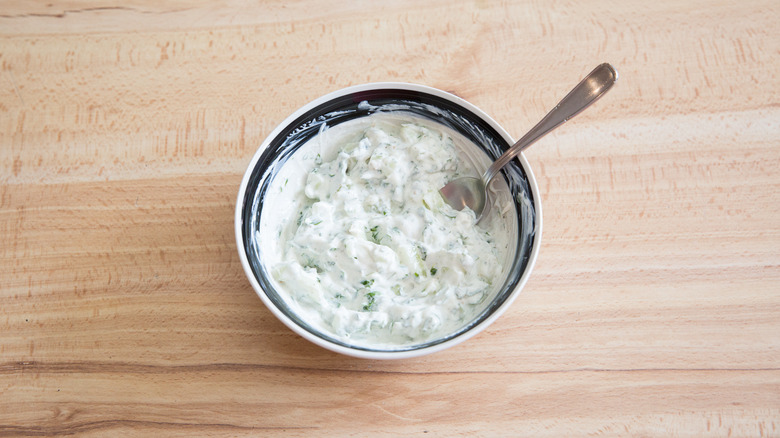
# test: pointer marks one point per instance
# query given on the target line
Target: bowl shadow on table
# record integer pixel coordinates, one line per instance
(171, 252)
(239, 328)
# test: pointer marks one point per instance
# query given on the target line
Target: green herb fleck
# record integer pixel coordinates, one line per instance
(433, 271)
(310, 263)
(371, 297)
(367, 283)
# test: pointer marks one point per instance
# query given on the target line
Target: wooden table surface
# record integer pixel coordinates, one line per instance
(125, 129)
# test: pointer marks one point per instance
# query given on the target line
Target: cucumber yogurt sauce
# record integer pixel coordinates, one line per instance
(364, 248)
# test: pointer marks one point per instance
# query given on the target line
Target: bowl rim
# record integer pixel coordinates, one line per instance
(387, 354)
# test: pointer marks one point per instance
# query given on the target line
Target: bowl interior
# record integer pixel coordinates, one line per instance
(357, 102)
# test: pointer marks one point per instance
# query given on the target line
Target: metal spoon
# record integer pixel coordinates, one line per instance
(472, 192)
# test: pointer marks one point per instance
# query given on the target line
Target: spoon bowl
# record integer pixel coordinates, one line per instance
(472, 192)
(465, 192)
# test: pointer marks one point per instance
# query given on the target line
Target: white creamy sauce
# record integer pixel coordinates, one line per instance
(365, 249)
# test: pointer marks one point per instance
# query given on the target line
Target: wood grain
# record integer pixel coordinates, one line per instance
(125, 127)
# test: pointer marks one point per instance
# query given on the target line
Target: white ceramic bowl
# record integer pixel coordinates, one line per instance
(360, 101)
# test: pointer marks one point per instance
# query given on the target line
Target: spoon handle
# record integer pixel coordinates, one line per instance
(589, 90)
